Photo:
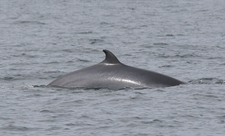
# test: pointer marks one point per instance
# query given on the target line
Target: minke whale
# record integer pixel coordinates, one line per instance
(112, 74)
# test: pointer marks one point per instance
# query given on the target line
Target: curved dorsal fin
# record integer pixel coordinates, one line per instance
(110, 58)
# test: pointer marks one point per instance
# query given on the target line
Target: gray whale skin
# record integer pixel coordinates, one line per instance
(113, 74)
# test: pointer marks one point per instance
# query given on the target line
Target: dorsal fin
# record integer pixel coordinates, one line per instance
(110, 58)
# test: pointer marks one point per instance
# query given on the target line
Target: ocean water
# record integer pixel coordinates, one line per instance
(42, 40)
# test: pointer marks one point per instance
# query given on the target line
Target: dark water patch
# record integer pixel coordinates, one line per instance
(180, 35)
(53, 71)
(71, 124)
(166, 35)
(127, 54)
(85, 32)
(221, 119)
(12, 127)
(105, 23)
(29, 22)
(163, 44)
(14, 77)
(46, 111)
(8, 78)
(39, 86)
(185, 55)
(169, 35)
(166, 66)
(216, 58)
(211, 96)
(70, 62)
(146, 46)
(54, 128)
(83, 60)
(68, 50)
(51, 62)
(29, 56)
(152, 121)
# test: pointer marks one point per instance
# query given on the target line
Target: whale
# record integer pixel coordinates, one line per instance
(112, 74)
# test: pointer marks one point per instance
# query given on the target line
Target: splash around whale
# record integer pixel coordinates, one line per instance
(113, 74)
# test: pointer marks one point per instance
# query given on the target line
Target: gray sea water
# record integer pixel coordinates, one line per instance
(42, 40)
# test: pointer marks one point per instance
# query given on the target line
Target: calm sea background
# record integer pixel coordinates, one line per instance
(42, 40)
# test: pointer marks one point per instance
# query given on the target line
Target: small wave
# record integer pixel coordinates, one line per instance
(189, 55)
(83, 60)
(93, 41)
(29, 22)
(12, 127)
(207, 81)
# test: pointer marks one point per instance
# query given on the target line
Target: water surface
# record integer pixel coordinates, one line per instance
(40, 41)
